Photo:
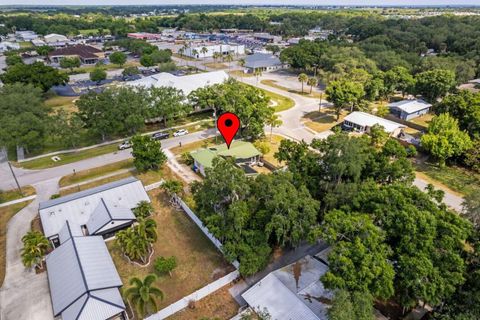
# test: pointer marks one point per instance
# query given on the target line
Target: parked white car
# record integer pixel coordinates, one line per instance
(125, 145)
(180, 132)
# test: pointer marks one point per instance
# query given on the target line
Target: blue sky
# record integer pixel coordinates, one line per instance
(246, 2)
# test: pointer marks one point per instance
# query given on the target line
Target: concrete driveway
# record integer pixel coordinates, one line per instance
(24, 294)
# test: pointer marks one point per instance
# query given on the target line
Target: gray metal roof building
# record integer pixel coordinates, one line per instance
(110, 213)
(77, 208)
(83, 280)
(262, 61)
(294, 292)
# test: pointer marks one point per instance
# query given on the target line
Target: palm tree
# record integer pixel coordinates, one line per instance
(302, 77)
(204, 51)
(312, 82)
(35, 245)
(185, 47)
(273, 121)
(135, 241)
(195, 54)
(142, 294)
(241, 63)
(172, 187)
(257, 73)
(143, 209)
(228, 58)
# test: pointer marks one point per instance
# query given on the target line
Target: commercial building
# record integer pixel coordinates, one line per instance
(267, 37)
(144, 36)
(98, 211)
(409, 109)
(83, 281)
(185, 83)
(224, 49)
(87, 54)
(363, 122)
(263, 62)
(244, 154)
(55, 38)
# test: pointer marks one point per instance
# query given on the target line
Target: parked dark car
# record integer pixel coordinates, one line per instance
(160, 135)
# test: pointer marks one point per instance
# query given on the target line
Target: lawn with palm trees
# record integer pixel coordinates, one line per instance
(197, 260)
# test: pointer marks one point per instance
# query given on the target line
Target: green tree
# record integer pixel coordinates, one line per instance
(98, 75)
(70, 63)
(44, 50)
(167, 103)
(23, 117)
(444, 139)
(147, 153)
(147, 61)
(357, 262)
(118, 58)
(143, 294)
(273, 48)
(144, 209)
(356, 305)
(464, 107)
(35, 245)
(344, 93)
(135, 242)
(273, 121)
(37, 74)
(378, 135)
(172, 187)
(13, 59)
(435, 84)
(398, 79)
(302, 77)
(66, 128)
(165, 265)
(130, 71)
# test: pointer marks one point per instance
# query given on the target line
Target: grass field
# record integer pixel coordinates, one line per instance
(458, 179)
(6, 213)
(198, 261)
(14, 194)
(274, 145)
(306, 93)
(47, 162)
(216, 65)
(423, 120)
(240, 74)
(324, 120)
(25, 44)
(95, 172)
(65, 103)
(281, 103)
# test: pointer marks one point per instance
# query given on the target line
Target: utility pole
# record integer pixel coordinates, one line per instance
(320, 104)
(14, 177)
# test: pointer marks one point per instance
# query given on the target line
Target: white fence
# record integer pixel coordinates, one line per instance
(197, 295)
(204, 229)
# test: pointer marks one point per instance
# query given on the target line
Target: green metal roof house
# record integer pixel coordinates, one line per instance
(243, 152)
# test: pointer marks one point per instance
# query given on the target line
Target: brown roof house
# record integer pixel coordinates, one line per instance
(86, 54)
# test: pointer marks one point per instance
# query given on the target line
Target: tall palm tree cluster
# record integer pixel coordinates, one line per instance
(142, 294)
(135, 242)
(35, 245)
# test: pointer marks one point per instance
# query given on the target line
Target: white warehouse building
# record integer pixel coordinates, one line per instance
(224, 49)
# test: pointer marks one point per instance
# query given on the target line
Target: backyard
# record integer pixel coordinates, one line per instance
(198, 261)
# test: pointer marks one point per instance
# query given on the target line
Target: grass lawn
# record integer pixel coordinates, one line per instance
(14, 194)
(176, 55)
(458, 179)
(25, 44)
(280, 103)
(306, 88)
(322, 121)
(195, 145)
(216, 65)
(423, 120)
(240, 74)
(5, 214)
(147, 178)
(47, 162)
(218, 305)
(65, 103)
(274, 145)
(95, 172)
(198, 261)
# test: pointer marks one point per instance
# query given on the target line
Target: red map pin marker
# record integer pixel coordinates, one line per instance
(228, 124)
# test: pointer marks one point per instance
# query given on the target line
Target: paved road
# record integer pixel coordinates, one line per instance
(30, 177)
(24, 294)
(450, 199)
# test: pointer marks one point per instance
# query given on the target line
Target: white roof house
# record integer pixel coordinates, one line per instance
(362, 121)
(94, 207)
(53, 37)
(7, 45)
(185, 83)
(408, 109)
(83, 280)
(294, 292)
